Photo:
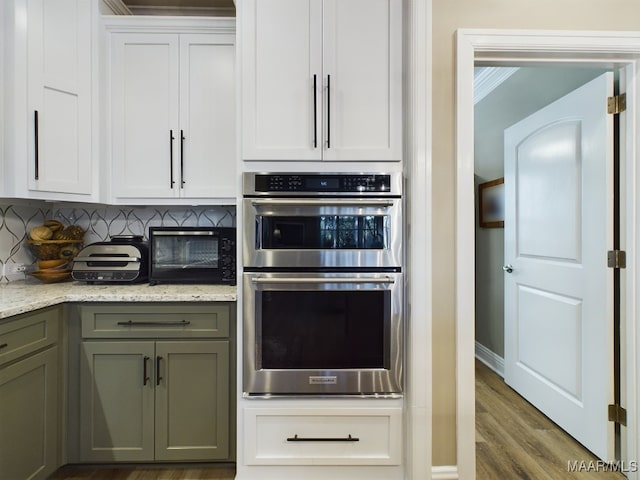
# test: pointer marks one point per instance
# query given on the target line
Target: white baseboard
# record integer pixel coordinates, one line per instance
(445, 472)
(490, 359)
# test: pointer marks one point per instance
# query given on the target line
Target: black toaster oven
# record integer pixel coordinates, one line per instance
(192, 255)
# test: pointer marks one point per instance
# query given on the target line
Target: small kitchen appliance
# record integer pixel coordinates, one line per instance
(192, 255)
(124, 259)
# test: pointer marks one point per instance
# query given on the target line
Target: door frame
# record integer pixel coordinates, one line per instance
(528, 47)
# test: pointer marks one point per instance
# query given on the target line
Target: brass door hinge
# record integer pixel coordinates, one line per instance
(616, 259)
(617, 103)
(617, 414)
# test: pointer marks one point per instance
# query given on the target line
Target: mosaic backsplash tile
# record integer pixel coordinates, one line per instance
(100, 223)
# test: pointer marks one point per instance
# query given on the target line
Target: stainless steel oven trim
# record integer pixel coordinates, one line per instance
(395, 186)
(350, 382)
(174, 233)
(309, 202)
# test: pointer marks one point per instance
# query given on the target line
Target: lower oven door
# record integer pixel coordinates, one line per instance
(323, 333)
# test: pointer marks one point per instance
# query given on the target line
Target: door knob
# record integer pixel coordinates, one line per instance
(507, 268)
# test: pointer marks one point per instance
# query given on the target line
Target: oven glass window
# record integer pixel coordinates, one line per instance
(323, 329)
(185, 251)
(325, 232)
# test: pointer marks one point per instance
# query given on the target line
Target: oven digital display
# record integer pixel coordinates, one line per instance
(320, 183)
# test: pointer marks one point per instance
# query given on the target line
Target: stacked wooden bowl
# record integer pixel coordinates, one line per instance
(55, 246)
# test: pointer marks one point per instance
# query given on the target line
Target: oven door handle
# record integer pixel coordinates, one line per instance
(266, 280)
(324, 202)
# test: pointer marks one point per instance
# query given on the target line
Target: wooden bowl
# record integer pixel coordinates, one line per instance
(55, 249)
(47, 264)
(52, 276)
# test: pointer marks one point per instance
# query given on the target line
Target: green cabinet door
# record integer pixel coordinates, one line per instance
(192, 400)
(117, 401)
(29, 417)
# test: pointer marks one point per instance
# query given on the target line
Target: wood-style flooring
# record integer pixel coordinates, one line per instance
(145, 472)
(516, 441)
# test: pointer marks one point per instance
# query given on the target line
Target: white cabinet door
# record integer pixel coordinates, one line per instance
(29, 417)
(59, 97)
(192, 400)
(173, 116)
(144, 126)
(117, 401)
(322, 80)
(207, 116)
(281, 58)
(362, 66)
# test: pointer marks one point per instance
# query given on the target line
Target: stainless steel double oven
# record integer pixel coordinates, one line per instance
(323, 285)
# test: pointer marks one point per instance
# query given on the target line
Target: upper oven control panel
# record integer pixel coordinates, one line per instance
(318, 184)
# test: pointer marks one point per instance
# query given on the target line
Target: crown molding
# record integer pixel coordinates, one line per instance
(487, 79)
(118, 7)
(183, 11)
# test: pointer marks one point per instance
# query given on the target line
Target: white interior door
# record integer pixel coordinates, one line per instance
(559, 294)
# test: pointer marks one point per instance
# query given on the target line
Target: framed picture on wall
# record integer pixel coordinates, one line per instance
(491, 203)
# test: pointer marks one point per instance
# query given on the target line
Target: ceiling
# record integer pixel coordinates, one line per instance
(182, 7)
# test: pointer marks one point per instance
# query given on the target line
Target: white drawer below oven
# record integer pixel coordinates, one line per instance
(330, 436)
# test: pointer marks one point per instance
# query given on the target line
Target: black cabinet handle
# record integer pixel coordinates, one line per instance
(328, 111)
(177, 323)
(315, 111)
(145, 375)
(36, 142)
(158, 377)
(4, 345)
(182, 159)
(171, 139)
(296, 438)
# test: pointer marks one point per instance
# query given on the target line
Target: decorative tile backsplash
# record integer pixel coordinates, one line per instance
(100, 224)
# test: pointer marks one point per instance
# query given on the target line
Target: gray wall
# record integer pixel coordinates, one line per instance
(526, 91)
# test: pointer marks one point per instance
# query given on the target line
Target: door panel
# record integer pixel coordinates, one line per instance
(145, 114)
(554, 321)
(559, 296)
(361, 55)
(548, 192)
(207, 113)
(192, 400)
(282, 51)
(116, 402)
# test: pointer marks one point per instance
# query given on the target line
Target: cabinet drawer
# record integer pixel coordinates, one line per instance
(309, 436)
(28, 333)
(156, 321)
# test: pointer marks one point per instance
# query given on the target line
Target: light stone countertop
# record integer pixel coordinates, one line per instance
(26, 296)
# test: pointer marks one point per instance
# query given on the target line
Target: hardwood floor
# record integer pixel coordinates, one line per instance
(516, 441)
(145, 472)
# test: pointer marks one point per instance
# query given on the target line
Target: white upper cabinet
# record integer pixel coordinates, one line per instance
(322, 80)
(49, 128)
(172, 101)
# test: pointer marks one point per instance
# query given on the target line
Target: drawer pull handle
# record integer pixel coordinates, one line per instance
(130, 323)
(4, 345)
(296, 438)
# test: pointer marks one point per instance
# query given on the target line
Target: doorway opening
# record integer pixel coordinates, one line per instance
(601, 49)
(510, 101)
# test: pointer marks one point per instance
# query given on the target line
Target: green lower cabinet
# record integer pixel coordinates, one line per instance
(192, 400)
(154, 400)
(29, 417)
